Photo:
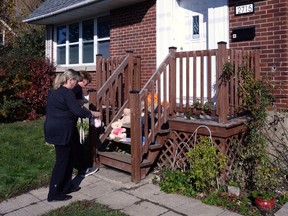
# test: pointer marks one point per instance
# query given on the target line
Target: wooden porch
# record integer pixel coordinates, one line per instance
(182, 81)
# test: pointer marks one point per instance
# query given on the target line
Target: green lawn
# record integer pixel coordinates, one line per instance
(26, 164)
(26, 161)
(85, 208)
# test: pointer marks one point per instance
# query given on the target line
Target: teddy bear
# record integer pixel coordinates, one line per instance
(117, 130)
(126, 119)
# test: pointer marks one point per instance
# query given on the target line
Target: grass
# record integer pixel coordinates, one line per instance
(26, 161)
(84, 208)
(26, 164)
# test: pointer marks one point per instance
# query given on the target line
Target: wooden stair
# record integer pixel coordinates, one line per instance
(117, 154)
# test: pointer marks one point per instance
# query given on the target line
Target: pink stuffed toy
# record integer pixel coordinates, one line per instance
(117, 130)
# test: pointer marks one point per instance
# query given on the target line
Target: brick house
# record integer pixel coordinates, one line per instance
(149, 27)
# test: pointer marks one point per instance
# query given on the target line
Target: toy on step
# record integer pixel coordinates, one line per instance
(126, 119)
(117, 131)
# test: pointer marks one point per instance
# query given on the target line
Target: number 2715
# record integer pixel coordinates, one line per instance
(243, 9)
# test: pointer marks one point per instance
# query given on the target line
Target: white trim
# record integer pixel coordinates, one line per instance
(79, 43)
(165, 35)
(49, 43)
(8, 27)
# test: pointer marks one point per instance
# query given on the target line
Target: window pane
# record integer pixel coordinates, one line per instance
(88, 53)
(104, 48)
(61, 55)
(195, 25)
(61, 34)
(88, 30)
(103, 27)
(73, 33)
(74, 54)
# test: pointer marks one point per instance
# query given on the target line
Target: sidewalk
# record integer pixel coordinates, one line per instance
(115, 189)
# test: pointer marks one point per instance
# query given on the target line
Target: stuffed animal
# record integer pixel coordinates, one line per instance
(150, 100)
(126, 119)
(117, 130)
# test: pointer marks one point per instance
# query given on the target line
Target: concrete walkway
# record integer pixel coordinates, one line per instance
(115, 189)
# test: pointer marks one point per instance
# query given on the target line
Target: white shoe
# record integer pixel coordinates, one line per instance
(90, 171)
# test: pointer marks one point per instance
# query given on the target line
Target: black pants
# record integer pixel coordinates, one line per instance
(81, 153)
(62, 171)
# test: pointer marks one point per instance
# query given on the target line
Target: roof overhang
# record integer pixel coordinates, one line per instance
(79, 11)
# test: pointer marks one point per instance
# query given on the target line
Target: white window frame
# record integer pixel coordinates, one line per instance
(195, 36)
(79, 42)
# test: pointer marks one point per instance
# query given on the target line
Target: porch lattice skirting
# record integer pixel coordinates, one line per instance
(174, 147)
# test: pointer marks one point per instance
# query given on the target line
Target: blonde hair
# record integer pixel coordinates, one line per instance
(62, 78)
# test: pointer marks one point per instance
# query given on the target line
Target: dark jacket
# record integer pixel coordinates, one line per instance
(78, 92)
(62, 110)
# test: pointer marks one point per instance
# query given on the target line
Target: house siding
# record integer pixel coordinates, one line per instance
(270, 21)
(133, 28)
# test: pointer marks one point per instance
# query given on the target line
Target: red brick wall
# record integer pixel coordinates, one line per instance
(271, 24)
(133, 28)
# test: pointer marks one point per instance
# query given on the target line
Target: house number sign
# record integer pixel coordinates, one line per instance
(244, 9)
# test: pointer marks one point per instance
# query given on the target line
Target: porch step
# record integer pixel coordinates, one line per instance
(155, 147)
(120, 160)
(118, 140)
(152, 147)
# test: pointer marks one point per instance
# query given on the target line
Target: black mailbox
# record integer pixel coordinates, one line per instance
(243, 34)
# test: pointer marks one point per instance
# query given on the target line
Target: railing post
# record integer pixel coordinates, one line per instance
(128, 76)
(98, 71)
(93, 132)
(137, 74)
(257, 63)
(136, 143)
(222, 88)
(172, 80)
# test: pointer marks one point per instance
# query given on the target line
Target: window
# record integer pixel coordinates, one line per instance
(61, 44)
(78, 43)
(195, 27)
(103, 34)
(88, 42)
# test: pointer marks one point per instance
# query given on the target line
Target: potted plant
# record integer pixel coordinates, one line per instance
(198, 109)
(266, 180)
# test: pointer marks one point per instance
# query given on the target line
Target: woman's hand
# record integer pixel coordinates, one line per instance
(95, 114)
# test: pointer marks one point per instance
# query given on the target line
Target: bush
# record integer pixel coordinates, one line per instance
(31, 44)
(24, 84)
(35, 93)
(207, 164)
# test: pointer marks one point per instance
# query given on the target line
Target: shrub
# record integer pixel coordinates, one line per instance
(24, 84)
(13, 78)
(207, 164)
(35, 93)
(177, 181)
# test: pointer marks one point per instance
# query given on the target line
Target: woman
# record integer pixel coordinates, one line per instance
(83, 161)
(61, 111)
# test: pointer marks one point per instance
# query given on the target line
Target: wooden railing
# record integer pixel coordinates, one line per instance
(182, 79)
(197, 80)
(115, 78)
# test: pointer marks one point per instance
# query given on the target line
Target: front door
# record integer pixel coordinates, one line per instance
(200, 25)
(191, 25)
